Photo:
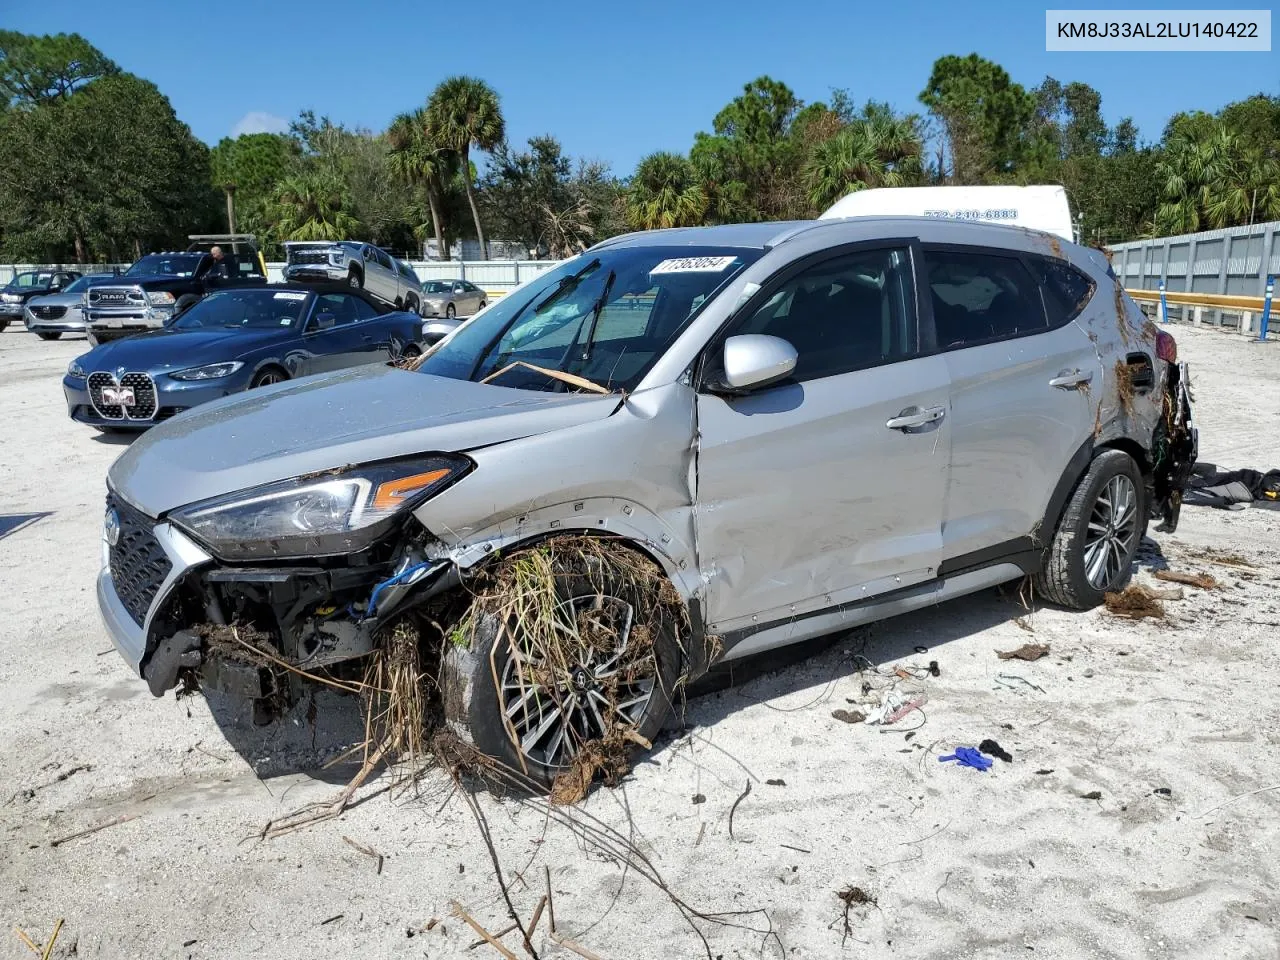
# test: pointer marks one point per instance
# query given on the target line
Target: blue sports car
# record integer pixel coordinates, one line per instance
(233, 340)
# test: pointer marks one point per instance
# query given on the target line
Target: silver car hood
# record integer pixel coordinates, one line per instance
(56, 300)
(327, 421)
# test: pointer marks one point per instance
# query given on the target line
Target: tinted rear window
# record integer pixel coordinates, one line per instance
(1066, 289)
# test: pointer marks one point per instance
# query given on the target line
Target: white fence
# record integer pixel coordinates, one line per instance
(496, 277)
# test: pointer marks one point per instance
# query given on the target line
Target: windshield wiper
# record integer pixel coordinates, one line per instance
(567, 285)
(595, 316)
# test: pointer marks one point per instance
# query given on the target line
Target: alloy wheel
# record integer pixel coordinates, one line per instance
(1111, 532)
(554, 704)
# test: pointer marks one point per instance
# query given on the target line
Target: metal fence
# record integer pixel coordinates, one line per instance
(494, 276)
(1235, 262)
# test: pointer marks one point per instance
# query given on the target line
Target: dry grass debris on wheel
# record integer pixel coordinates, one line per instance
(559, 605)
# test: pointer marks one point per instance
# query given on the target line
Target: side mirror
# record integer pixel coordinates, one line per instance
(755, 360)
(321, 321)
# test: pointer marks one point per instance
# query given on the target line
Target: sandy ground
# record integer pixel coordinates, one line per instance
(1166, 723)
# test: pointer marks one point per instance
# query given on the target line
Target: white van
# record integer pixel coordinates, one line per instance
(1036, 208)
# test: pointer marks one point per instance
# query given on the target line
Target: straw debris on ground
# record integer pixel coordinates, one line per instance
(1134, 602)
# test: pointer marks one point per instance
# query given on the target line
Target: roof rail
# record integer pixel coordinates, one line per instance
(221, 236)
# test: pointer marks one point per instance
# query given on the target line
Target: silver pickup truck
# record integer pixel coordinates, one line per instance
(360, 264)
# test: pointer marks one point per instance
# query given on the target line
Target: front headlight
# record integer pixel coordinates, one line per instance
(159, 298)
(336, 257)
(75, 371)
(339, 513)
(210, 371)
(11, 298)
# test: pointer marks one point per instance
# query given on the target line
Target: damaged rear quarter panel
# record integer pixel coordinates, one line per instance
(626, 475)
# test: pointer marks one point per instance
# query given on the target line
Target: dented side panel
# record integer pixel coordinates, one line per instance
(628, 474)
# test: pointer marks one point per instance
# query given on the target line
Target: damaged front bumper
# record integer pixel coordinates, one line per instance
(129, 625)
(166, 602)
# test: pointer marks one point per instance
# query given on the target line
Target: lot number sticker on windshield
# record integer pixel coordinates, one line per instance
(693, 265)
(285, 295)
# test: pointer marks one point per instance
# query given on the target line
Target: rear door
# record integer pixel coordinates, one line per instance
(813, 492)
(474, 296)
(1022, 399)
(386, 285)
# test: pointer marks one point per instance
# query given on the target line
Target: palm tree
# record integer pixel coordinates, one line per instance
(665, 193)
(312, 206)
(417, 159)
(1210, 180)
(1248, 193)
(877, 150)
(463, 112)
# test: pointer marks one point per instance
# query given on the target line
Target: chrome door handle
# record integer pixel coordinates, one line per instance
(1071, 378)
(915, 417)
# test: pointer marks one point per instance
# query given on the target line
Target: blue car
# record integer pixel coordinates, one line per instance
(234, 340)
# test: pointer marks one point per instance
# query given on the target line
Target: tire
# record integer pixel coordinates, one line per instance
(185, 302)
(3, 325)
(266, 376)
(1078, 572)
(410, 352)
(411, 306)
(354, 279)
(51, 335)
(481, 307)
(471, 697)
(450, 312)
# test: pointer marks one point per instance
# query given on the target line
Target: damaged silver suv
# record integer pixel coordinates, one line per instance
(677, 449)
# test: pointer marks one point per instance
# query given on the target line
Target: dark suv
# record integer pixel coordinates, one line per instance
(162, 285)
(33, 283)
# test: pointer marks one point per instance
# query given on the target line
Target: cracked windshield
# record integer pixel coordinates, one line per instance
(603, 319)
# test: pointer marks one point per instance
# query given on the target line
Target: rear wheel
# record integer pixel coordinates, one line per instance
(267, 376)
(1099, 534)
(51, 335)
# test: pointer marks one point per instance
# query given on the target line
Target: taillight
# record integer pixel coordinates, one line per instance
(1166, 347)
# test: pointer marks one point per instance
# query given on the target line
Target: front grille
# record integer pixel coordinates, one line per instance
(308, 256)
(116, 296)
(48, 313)
(137, 561)
(144, 396)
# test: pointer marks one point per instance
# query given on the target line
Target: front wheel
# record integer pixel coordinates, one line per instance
(268, 376)
(355, 280)
(411, 306)
(566, 661)
(1099, 534)
(52, 335)
(450, 312)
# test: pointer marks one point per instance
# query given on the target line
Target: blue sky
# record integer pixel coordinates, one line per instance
(613, 80)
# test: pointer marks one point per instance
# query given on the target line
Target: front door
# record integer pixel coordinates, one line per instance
(820, 490)
(1025, 384)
